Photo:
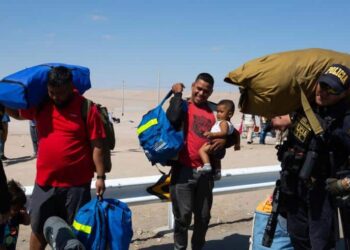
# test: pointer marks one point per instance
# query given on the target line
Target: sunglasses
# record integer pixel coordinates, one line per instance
(328, 89)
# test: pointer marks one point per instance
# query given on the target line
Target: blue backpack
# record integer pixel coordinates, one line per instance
(102, 223)
(28, 87)
(158, 138)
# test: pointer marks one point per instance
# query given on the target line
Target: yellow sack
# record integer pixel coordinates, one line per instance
(270, 85)
(265, 206)
(161, 187)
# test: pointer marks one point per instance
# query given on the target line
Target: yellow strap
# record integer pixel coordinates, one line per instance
(82, 228)
(146, 126)
(315, 124)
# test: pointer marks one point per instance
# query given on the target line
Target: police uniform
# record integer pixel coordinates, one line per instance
(310, 208)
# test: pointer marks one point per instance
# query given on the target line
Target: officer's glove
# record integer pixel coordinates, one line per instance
(217, 174)
(335, 187)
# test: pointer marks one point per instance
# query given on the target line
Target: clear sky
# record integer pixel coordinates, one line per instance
(132, 41)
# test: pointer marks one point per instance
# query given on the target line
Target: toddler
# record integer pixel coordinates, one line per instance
(18, 215)
(221, 129)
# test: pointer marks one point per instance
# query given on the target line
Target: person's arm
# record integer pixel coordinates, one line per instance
(97, 156)
(233, 139)
(175, 112)
(97, 134)
(217, 144)
(222, 134)
(14, 113)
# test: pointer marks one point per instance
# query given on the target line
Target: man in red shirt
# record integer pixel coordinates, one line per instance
(70, 150)
(190, 188)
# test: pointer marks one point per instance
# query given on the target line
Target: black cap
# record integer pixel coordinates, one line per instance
(337, 77)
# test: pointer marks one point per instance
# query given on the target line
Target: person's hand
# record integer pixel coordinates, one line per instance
(217, 175)
(207, 134)
(177, 87)
(217, 144)
(100, 187)
(335, 186)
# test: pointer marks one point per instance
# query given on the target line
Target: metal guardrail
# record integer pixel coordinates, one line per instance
(133, 190)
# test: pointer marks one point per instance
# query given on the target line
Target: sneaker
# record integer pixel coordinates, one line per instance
(204, 169)
(249, 142)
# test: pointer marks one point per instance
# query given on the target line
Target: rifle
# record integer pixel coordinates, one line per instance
(270, 228)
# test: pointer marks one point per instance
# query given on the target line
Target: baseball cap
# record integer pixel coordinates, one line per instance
(337, 77)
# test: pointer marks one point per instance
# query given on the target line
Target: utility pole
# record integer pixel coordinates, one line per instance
(123, 99)
(158, 87)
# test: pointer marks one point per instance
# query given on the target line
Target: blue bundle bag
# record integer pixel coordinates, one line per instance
(28, 87)
(281, 240)
(104, 223)
(158, 138)
(90, 225)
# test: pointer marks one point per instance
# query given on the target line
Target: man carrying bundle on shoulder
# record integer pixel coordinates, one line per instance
(70, 151)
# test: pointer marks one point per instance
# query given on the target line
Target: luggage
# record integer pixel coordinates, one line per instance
(160, 141)
(281, 239)
(104, 223)
(109, 141)
(28, 87)
(270, 85)
(59, 235)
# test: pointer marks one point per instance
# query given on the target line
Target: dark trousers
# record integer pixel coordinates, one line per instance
(191, 192)
(311, 220)
(34, 136)
(63, 202)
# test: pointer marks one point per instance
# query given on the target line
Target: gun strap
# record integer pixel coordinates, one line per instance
(310, 115)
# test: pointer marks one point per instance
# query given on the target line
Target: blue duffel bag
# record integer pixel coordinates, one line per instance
(160, 141)
(28, 88)
(104, 224)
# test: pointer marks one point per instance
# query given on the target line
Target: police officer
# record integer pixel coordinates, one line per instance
(310, 163)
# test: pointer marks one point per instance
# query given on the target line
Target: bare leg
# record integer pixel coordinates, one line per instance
(37, 242)
(250, 135)
(203, 153)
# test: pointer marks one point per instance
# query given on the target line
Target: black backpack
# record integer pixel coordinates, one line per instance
(109, 141)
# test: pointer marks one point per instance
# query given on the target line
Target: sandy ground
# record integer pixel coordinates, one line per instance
(230, 225)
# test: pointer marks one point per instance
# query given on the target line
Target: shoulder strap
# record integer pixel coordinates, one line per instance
(166, 98)
(85, 108)
(314, 122)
